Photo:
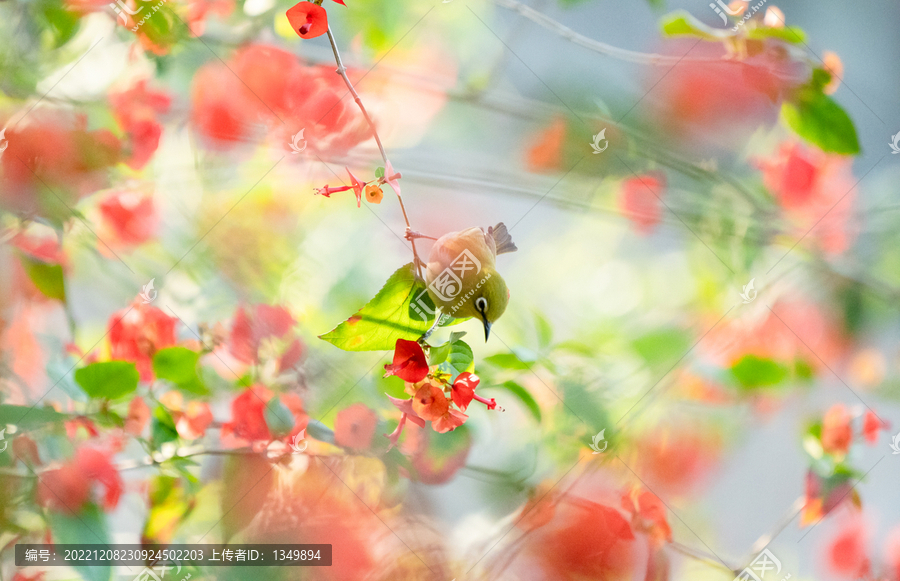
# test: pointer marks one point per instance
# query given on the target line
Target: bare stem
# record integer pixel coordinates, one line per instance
(342, 71)
(595, 45)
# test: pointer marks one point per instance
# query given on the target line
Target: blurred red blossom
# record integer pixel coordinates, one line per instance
(53, 149)
(846, 553)
(138, 416)
(791, 329)
(676, 461)
(249, 330)
(248, 420)
(137, 332)
(723, 101)
(259, 87)
(837, 433)
(871, 427)
(546, 153)
(354, 427)
(892, 554)
(127, 218)
(69, 486)
(640, 200)
(137, 109)
(200, 10)
(191, 420)
(816, 191)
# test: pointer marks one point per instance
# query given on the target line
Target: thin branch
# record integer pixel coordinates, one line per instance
(698, 555)
(595, 45)
(342, 71)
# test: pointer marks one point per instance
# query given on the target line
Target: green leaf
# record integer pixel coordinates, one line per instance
(179, 365)
(319, 431)
(507, 361)
(162, 427)
(108, 379)
(48, 278)
(523, 395)
(379, 173)
(753, 372)
(818, 119)
(61, 22)
(792, 34)
(170, 505)
(26, 417)
(544, 330)
(88, 526)
(159, 26)
(439, 353)
(459, 360)
(662, 347)
(279, 418)
(384, 319)
(681, 23)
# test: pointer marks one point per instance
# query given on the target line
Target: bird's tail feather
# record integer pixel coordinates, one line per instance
(502, 239)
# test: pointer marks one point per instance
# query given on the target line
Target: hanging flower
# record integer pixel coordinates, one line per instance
(409, 362)
(308, 20)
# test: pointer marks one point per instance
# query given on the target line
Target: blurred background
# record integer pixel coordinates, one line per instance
(714, 290)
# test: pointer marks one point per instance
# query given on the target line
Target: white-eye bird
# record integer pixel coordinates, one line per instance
(461, 273)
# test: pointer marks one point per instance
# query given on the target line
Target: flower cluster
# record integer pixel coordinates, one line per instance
(830, 481)
(435, 398)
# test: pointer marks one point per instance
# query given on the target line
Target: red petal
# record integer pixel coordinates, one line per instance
(405, 406)
(354, 427)
(308, 19)
(341, 2)
(357, 187)
(409, 362)
(464, 389)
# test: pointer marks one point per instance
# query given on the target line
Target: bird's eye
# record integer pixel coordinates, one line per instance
(481, 304)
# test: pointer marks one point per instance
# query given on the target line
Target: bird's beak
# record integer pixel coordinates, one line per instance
(487, 328)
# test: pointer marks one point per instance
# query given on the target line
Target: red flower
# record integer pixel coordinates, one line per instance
(357, 186)
(138, 416)
(463, 389)
(837, 434)
(127, 218)
(137, 333)
(390, 176)
(430, 403)
(585, 540)
(816, 189)
(846, 553)
(648, 514)
(199, 9)
(54, 149)
(69, 487)
(248, 420)
(192, 423)
(409, 363)
(246, 333)
(547, 152)
(871, 426)
(640, 200)
(448, 421)
(308, 20)
(136, 110)
(892, 554)
(354, 427)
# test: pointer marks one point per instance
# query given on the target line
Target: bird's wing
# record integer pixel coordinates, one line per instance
(503, 242)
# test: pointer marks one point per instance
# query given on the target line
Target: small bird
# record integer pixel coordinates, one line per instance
(461, 273)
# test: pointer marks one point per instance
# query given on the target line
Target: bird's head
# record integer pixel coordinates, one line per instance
(490, 301)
